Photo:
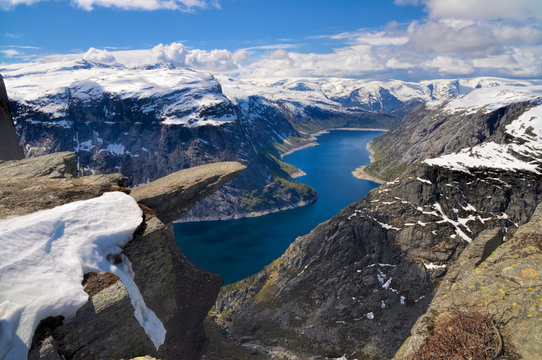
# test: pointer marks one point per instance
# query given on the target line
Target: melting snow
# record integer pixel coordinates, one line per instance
(56, 247)
(492, 98)
(425, 181)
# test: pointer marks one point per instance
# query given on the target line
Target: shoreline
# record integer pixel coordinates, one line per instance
(360, 172)
(313, 138)
(247, 215)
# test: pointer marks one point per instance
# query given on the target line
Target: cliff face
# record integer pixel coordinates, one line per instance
(430, 131)
(9, 146)
(357, 283)
(150, 121)
(177, 291)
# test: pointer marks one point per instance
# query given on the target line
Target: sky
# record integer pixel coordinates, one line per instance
(384, 39)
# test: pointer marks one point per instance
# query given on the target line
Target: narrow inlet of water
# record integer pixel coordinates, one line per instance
(236, 249)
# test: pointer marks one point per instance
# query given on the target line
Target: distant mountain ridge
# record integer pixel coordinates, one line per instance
(152, 120)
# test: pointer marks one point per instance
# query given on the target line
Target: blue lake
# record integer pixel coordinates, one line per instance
(239, 248)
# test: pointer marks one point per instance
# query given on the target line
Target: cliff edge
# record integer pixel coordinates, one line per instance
(178, 292)
(9, 147)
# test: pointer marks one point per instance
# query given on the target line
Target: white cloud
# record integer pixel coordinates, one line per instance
(217, 60)
(381, 38)
(9, 35)
(480, 9)
(449, 65)
(465, 36)
(10, 53)
(174, 53)
(182, 5)
(99, 56)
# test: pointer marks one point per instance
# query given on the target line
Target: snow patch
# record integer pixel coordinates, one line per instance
(431, 266)
(57, 247)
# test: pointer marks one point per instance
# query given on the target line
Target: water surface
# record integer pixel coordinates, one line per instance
(239, 248)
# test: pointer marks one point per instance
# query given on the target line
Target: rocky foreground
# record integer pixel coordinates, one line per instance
(178, 292)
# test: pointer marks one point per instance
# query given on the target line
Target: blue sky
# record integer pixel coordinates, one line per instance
(348, 38)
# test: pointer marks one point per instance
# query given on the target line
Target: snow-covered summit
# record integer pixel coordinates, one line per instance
(48, 87)
(371, 95)
(185, 97)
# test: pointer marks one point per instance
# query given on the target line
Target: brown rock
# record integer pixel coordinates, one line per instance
(173, 195)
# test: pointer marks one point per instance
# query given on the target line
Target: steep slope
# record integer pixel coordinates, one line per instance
(147, 123)
(357, 283)
(151, 120)
(431, 130)
(9, 147)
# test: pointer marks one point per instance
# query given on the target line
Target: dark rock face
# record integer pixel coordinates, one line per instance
(357, 283)
(426, 133)
(177, 291)
(9, 147)
(113, 133)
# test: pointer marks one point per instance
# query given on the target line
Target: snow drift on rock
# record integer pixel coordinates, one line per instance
(44, 255)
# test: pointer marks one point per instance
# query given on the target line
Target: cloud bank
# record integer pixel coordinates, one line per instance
(457, 38)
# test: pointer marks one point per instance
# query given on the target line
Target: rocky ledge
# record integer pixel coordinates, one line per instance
(178, 291)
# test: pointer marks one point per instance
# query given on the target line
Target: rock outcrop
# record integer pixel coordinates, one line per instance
(9, 146)
(357, 283)
(177, 291)
(502, 281)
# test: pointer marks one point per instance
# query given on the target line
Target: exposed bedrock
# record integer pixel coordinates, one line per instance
(179, 292)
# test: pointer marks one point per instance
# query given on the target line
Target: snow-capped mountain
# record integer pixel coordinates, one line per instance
(519, 146)
(149, 120)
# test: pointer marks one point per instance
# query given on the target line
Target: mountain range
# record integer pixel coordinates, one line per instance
(150, 120)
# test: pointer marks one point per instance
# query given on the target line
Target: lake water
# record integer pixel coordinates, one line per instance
(239, 248)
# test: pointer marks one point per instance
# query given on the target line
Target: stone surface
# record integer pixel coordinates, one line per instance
(506, 284)
(173, 195)
(45, 182)
(9, 147)
(426, 133)
(54, 166)
(177, 291)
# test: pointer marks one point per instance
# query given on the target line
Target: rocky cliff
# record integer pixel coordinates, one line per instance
(431, 130)
(496, 277)
(357, 283)
(9, 146)
(177, 291)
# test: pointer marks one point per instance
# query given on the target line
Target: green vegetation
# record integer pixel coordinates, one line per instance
(287, 168)
(277, 194)
(385, 165)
